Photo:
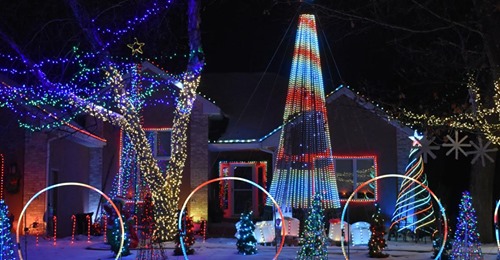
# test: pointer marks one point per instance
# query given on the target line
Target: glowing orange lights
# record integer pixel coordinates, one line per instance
(122, 228)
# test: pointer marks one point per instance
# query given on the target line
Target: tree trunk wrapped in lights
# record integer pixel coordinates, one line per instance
(66, 95)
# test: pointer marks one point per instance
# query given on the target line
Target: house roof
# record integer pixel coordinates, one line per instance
(253, 103)
(256, 126)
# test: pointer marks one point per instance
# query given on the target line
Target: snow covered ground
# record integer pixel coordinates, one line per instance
(215, 248)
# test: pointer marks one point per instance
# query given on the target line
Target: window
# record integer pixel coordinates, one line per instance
(352, 171)
(160, 141)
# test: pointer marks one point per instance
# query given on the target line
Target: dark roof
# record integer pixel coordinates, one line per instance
(254, 103)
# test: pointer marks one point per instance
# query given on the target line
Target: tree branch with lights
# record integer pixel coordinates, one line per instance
(106, 97)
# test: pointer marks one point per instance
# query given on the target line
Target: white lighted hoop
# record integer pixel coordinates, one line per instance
(445, 235)
(235, 179)
(70, 184)
(495, 221)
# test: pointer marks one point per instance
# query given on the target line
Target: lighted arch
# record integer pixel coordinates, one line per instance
(235, 179)
(71, 184)
(396, 176)
(495, 221)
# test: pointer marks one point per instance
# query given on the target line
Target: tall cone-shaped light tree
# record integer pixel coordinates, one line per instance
(304, 162)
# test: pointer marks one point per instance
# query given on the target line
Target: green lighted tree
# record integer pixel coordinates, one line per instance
(313, 245)
(6, 243)
(437, 241)
(246, 244)
(114, 237)
(377, 240)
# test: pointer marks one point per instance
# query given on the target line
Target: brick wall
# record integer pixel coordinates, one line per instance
(198, 205)
(35, 179)
(95, 179)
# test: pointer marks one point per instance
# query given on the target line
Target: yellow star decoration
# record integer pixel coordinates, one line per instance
(136, 47)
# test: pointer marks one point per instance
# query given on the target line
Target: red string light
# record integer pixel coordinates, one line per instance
(73, 218)
(54, 220)
(136, 223)
(105, 225)
(204, 229)
(36, 243)
(88, 228)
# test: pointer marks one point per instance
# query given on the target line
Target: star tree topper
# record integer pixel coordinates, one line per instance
(136, 47)
(423, 144)
(456, 145)
(481, 151)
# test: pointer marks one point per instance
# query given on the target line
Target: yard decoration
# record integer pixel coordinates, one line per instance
(188, 238)
(466, 243)
(304, 163)
(179, 222)
(377, 240)
(360, 233)
(497, 228)
(362, 185)
(114, 235)
(437, 240)
(246, 244)
(6, 245)
(91, 84)
(314, 237)
(122, 228)
(414, 210)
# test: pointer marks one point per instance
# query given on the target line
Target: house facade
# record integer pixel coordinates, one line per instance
(364, 144)
(237, 136)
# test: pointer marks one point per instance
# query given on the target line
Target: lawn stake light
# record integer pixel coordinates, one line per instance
(54, 221)
(73, 218)
(122, 229)
(88, 228)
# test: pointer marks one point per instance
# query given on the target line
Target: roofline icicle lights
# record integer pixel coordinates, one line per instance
(304, 162)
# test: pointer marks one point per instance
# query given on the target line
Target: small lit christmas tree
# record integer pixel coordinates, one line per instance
(377, 240)
(466, 243)
(314, 237)
(246, 244)
(189, 239)
(6, 243)
(114, 237)
(437, 242)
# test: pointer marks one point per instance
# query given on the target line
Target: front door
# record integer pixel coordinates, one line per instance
(243, 192)
(236, 197)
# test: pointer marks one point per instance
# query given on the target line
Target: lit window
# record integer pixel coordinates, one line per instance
(352, 171)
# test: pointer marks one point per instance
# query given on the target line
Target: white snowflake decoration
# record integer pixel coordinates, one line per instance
(457, 145)
(481, 151)
(423, 144)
